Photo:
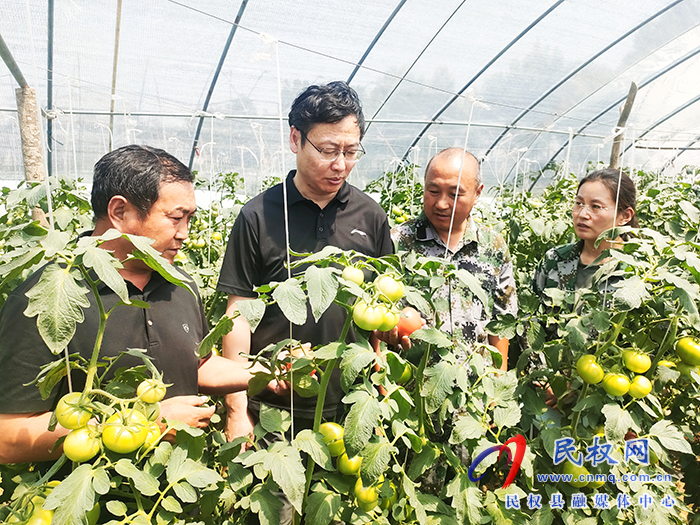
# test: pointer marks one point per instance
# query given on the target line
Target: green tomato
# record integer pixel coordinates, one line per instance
(367, 317)
(688, 350)
(389, 288)
(396, 211)
(125, 431)
(153, 435)
(349, 466)
(367, 497)
(150, 410)
(616, 384)
(151, 391)
(41, 516)
(640, 387)
(200, 243)
(667, 363)
(333, 438)
(685, 369)
(350, 273)
(82, 444)
(596, 484)
(637, 362)
(407, 374)
(216, 236)
(389, 319)
(70, 413)
(576, 472)
(589, 370)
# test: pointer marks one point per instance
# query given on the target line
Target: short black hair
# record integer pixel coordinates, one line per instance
(134, 172)
(329, 103)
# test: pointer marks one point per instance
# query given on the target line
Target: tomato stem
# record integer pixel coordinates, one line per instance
(92, 366)
(574, 420)
(665, 344)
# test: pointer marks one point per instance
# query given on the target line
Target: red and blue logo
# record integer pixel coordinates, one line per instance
(517, 460)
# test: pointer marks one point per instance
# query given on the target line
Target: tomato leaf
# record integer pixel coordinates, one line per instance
(312, 443)
(222, 328)
(57, 300)
(432, 336)
(439, 384)
(670, 437)
(467, 426)
(617, 422)
(508, 415)
(360, 421)
(283, 461)
(375, 461)
(252, 311)
(170, 504)
(291, 299)
(154, 260)
(274, 420)
(185, 492)
(266, 505)
(144, 482)
(632, 291)
(415, 298)
(321, 287)
(73, 497)
(466, 499)
(355, 358)
(321, 507)
(474, 285)
(105, 267)
(117, 508)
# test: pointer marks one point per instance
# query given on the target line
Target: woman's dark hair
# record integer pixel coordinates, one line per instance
(609, 177)
(329, 103)
(135, 173)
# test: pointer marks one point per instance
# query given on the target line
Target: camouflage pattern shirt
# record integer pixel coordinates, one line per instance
(562, 268)
(482, 253)
(558, 269)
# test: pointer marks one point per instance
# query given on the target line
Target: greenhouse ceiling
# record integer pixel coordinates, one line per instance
(522, 84)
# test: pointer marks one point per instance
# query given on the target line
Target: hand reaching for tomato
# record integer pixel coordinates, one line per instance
(188, 409)
(409, 321)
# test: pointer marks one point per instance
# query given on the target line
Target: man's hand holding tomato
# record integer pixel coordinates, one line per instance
(409, 321)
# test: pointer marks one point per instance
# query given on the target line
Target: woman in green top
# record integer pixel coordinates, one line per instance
(571, 267)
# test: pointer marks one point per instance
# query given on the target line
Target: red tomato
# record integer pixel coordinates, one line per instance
(409, 321)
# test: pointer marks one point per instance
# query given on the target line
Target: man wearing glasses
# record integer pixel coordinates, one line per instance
(327, 125)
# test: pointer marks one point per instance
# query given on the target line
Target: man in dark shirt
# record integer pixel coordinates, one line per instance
(327, 125)
(141, 191)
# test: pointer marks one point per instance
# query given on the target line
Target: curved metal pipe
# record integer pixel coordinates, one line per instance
(241, 9)
(375, 40)
(481, 72)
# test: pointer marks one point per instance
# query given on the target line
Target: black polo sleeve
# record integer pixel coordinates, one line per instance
(240, 270)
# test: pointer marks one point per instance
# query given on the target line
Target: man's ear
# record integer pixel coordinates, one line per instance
(478, 190)
(118, 212)
(294, 139)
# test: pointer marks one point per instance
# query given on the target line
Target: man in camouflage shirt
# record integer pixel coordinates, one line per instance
(452, 179)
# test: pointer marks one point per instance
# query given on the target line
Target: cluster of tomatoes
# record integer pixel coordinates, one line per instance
(131, 427)
(399, 215)
(381, 312)
(618, 383)
(367, 498)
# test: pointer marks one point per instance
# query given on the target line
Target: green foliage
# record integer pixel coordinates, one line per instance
(418, 435)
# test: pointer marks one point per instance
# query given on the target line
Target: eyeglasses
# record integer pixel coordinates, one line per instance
(593, 209)
(331, 154)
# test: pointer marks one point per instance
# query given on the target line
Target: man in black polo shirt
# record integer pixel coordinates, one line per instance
(140, 191)
(327, 125)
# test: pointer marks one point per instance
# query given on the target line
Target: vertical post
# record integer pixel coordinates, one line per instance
(31, 142)
(49, 96)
